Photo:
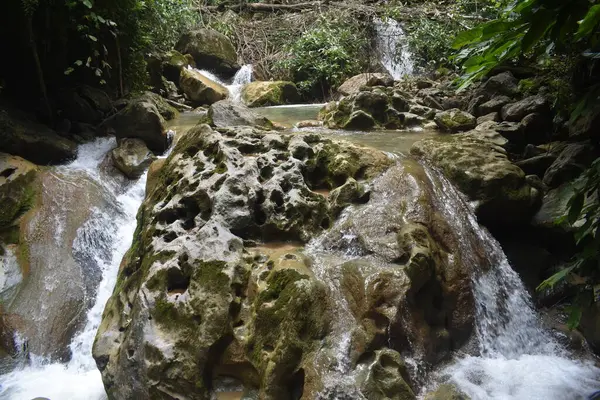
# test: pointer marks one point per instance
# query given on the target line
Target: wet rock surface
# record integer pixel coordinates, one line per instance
(208, 291)
(270, 93)
(210, 49)
(481, 169)
(132, 157)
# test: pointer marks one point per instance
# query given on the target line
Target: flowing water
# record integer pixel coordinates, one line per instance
(101, 241)
(517, 358)
(392, 46)
(241, 78)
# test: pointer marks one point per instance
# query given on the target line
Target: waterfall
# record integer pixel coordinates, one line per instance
(101, 241)
(518, 358)
(241, 78)
(392, 47)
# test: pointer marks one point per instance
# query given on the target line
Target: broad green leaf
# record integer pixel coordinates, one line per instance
(69, 71)
(87, 3)
(556, 278)
(589, 22)
(466, 37)
(542, 21)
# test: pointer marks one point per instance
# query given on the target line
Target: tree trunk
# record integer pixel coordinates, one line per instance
(38, 66)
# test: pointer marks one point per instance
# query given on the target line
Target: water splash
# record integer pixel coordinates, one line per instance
(518, 359)
(241, 78)
(392, 46)
(102, 240)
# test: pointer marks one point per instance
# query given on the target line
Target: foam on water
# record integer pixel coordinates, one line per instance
(106, 237)
(519, 358)
(241, 78)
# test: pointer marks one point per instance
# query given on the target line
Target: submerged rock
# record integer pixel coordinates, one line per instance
(132, 157)
(211, 50)
(33, 141)
(481, 170)
(201, 90)
(269, 93)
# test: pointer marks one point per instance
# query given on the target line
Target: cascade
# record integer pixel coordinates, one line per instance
(101, 241)
(241, 78)
(392, 47)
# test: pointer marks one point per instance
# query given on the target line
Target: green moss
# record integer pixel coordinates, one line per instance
(18, 197)
(529, 86)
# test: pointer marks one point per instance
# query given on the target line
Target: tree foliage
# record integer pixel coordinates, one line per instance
(326, 55)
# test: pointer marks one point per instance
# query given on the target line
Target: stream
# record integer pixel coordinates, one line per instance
(516, 358)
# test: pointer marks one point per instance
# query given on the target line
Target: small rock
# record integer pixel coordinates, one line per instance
(432, 102)
(536, 165)
(132, 157)
(309, 123)
(424, 83)
(452, 102)
(455, 120)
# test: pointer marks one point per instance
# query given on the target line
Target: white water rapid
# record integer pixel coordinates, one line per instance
(518, 358)
(392, 46)
(242, 77)
(101, 241)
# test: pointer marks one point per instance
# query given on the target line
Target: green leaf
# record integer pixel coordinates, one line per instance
(467, 37)
(589, 22)
(69, 71)
(542, 21)
(92, 38)
(87, 3)
(556, 278)
(575, 206)
(79, 63)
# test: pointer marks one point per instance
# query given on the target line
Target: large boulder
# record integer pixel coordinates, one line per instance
(481, 169)
(354, 84)
(35, 142)
(211, 50)
(209, 293)
(132, 157)
(269, 93)
(143, 118)
(60, 273)
(586, 125)
(200, 89)
(226, 113)
(455, 120)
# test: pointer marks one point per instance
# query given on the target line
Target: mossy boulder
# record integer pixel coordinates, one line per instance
(481, 169)
(211, 50)
(269, 93)
(385, 378)
(143, 118)
(377, 107)
(20, 136)
(455, 120)
(200, 89)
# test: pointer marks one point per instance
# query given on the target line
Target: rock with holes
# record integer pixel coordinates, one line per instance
(455, 120)
(376, 107)
(199, 297)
